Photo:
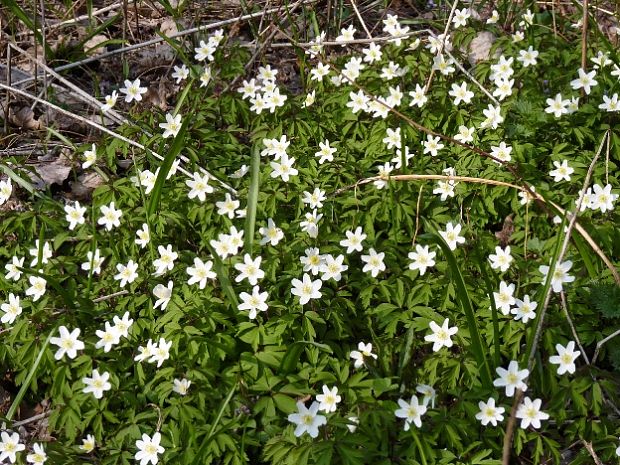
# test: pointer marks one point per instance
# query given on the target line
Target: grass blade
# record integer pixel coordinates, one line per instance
(463, 298)
(22, 391)
(250, 219)
(175, 149)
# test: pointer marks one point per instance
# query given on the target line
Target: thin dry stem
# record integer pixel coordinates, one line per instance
(584, 35)
(360, 19)
(572, 326)
(441, 46)
(602, 342)
(590, 449)
(538, 331)
(112, 133)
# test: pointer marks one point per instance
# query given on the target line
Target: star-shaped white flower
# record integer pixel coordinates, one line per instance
(442, 335)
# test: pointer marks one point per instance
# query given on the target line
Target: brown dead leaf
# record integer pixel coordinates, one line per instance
(506, 232)
(55, 172)
(24, 118)
(168, 27)
(85, 184)
(93, 45)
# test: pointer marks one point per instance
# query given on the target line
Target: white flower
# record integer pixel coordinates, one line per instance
(107, 338)
(442, 335)
(90, 157)
(199, 186)
(328, 401)
(493, 117)
(68, 343)
(9, 446)
(228, 206)
(46, 253)
(180, 73)
(346, 35)
(110, 101)
(372, 53)
(13, 271)
(307, 420)
(149, 449)
(526, 197)
(122, 325)
(460, 17)
(200, 272)
(418, 96)
(452, 235)
(249, 269)
(512, 378)
(88, 444)
(530, 413)
(314, 199)
(38, 457)
(384, 174)
(461, 93)
(373, 262)
(332, 268)
(283, 168)
(363, 351)
(312, 261)
(428, 392)
(524, 309)
(172, 126)
(557, 106)
(11, 310)
(503, 88)
(501, 259)
(255, 302)
(163, 294)
(271, 234)
(465, 134)
(432, 145)
(421, 259)
(181, 386)
(528, 57)
(562, 171)
(205, 51)
(166, 259)
(75, 214)
(560, 275)
(585, 81)
(161, 352)
(318, 73)
(326, 153)
(602, 198)
(37, 288)
(393, 138)
(610, 104)
(126, 273)
(143, 236)
(133, 91)
(489, 413)
(110, 216)
(97, 384)
(411, 411)
(566, 358)
(310, 98)
(494, 17)
(353, 242)
(504, 298)
(502, 152)
(306, 289)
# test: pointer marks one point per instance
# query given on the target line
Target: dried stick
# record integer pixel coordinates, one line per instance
(584, 35)
(602, 342)
(111, 133)
(157, 40)
(110, 296)
(572, 326)
(538, 331)
(590, 449)
(441, 46)
(361, 20)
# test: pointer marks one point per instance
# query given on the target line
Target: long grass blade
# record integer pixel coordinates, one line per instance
(22, 391)
(465, 302)
(166, 165)
(250, 219)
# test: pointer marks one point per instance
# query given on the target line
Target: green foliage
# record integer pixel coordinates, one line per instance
(248, 372)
